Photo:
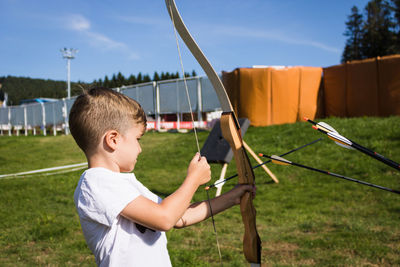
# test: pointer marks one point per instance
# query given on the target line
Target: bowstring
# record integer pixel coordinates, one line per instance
(194, 129)
(184, 81)
(215, 229)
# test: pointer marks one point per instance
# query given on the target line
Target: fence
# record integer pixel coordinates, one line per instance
(156, 98)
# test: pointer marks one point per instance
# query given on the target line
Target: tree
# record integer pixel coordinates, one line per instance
(396, 10)
(163, 77)
(139, 78)
(106, 82)
(120, 79)
(156, 77)
(113, 81)
(379, 38)
(146, 78)
(98, 82)
(132, 79)
(354, 33)
(377, 35)
(20, 88)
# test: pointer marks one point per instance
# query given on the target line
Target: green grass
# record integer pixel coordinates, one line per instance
(308, 219)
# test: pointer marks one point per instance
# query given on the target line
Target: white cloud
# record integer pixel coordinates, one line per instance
(104, 42)
(79, 23)
(243, 32)
(99, 39)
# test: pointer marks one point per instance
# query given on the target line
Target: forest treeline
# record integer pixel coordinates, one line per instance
(20, 88)
(373, 32)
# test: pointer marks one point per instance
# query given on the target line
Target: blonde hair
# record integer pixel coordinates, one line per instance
(99, 110)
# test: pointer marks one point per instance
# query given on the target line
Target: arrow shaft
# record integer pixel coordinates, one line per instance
(340, 176)
(376, 156)
(358, 147)
(261, 164)
(347, 178)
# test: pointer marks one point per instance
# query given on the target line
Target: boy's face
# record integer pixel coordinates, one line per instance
(129, 148)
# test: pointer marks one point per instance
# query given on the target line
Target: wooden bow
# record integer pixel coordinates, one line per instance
(231, 132)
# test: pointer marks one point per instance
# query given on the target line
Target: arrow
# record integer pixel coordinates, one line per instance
(261, 164)
(347, 143)
(279, 160)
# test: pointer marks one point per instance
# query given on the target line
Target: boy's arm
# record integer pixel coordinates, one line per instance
(163, 216)
(200, 211)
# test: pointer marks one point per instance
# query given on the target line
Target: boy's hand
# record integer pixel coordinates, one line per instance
(237, 192)
(199, 169)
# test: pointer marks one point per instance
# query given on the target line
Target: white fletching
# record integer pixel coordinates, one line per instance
(344, 142)
(327, 126)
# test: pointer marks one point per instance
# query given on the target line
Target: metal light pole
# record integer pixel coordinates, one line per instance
(69, 54)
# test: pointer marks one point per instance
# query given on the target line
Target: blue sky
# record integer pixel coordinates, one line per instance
(131, 36)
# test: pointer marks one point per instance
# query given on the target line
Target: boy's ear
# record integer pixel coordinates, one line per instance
(111, 139)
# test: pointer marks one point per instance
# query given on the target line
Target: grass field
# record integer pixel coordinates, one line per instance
(308, 219)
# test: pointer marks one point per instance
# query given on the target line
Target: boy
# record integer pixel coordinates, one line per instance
(123, 222)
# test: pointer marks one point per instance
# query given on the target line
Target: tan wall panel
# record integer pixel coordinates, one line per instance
(335, 90)
(269, 96)
(362, 88)
(389, 85)
(310, 80)
(255, 95)
(285, 95)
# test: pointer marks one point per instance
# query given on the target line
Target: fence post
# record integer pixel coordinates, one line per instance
(156, 88)
(43, 119)
(54, 120)
(137, 94)
(25, 122)
(34, 123)
(178, 106)
(9, 121)
(199, 102)
(16, 129)
(65, 115)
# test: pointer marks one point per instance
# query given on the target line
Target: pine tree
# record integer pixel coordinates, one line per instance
(380, 31)
(146, 78)
(354, 33)
(379, 37)
(168, 76)
(113, 82)
(132, 79)
(106, 82)
(139, 78)
(97, 83)
(120, 79)
(156, 77)
(163, 77)
(396, 10)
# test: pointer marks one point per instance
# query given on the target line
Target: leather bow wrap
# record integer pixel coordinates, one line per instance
(231, 132)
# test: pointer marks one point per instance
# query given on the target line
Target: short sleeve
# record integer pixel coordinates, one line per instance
(103, 194)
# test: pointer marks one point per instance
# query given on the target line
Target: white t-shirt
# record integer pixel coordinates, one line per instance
(99, 198)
